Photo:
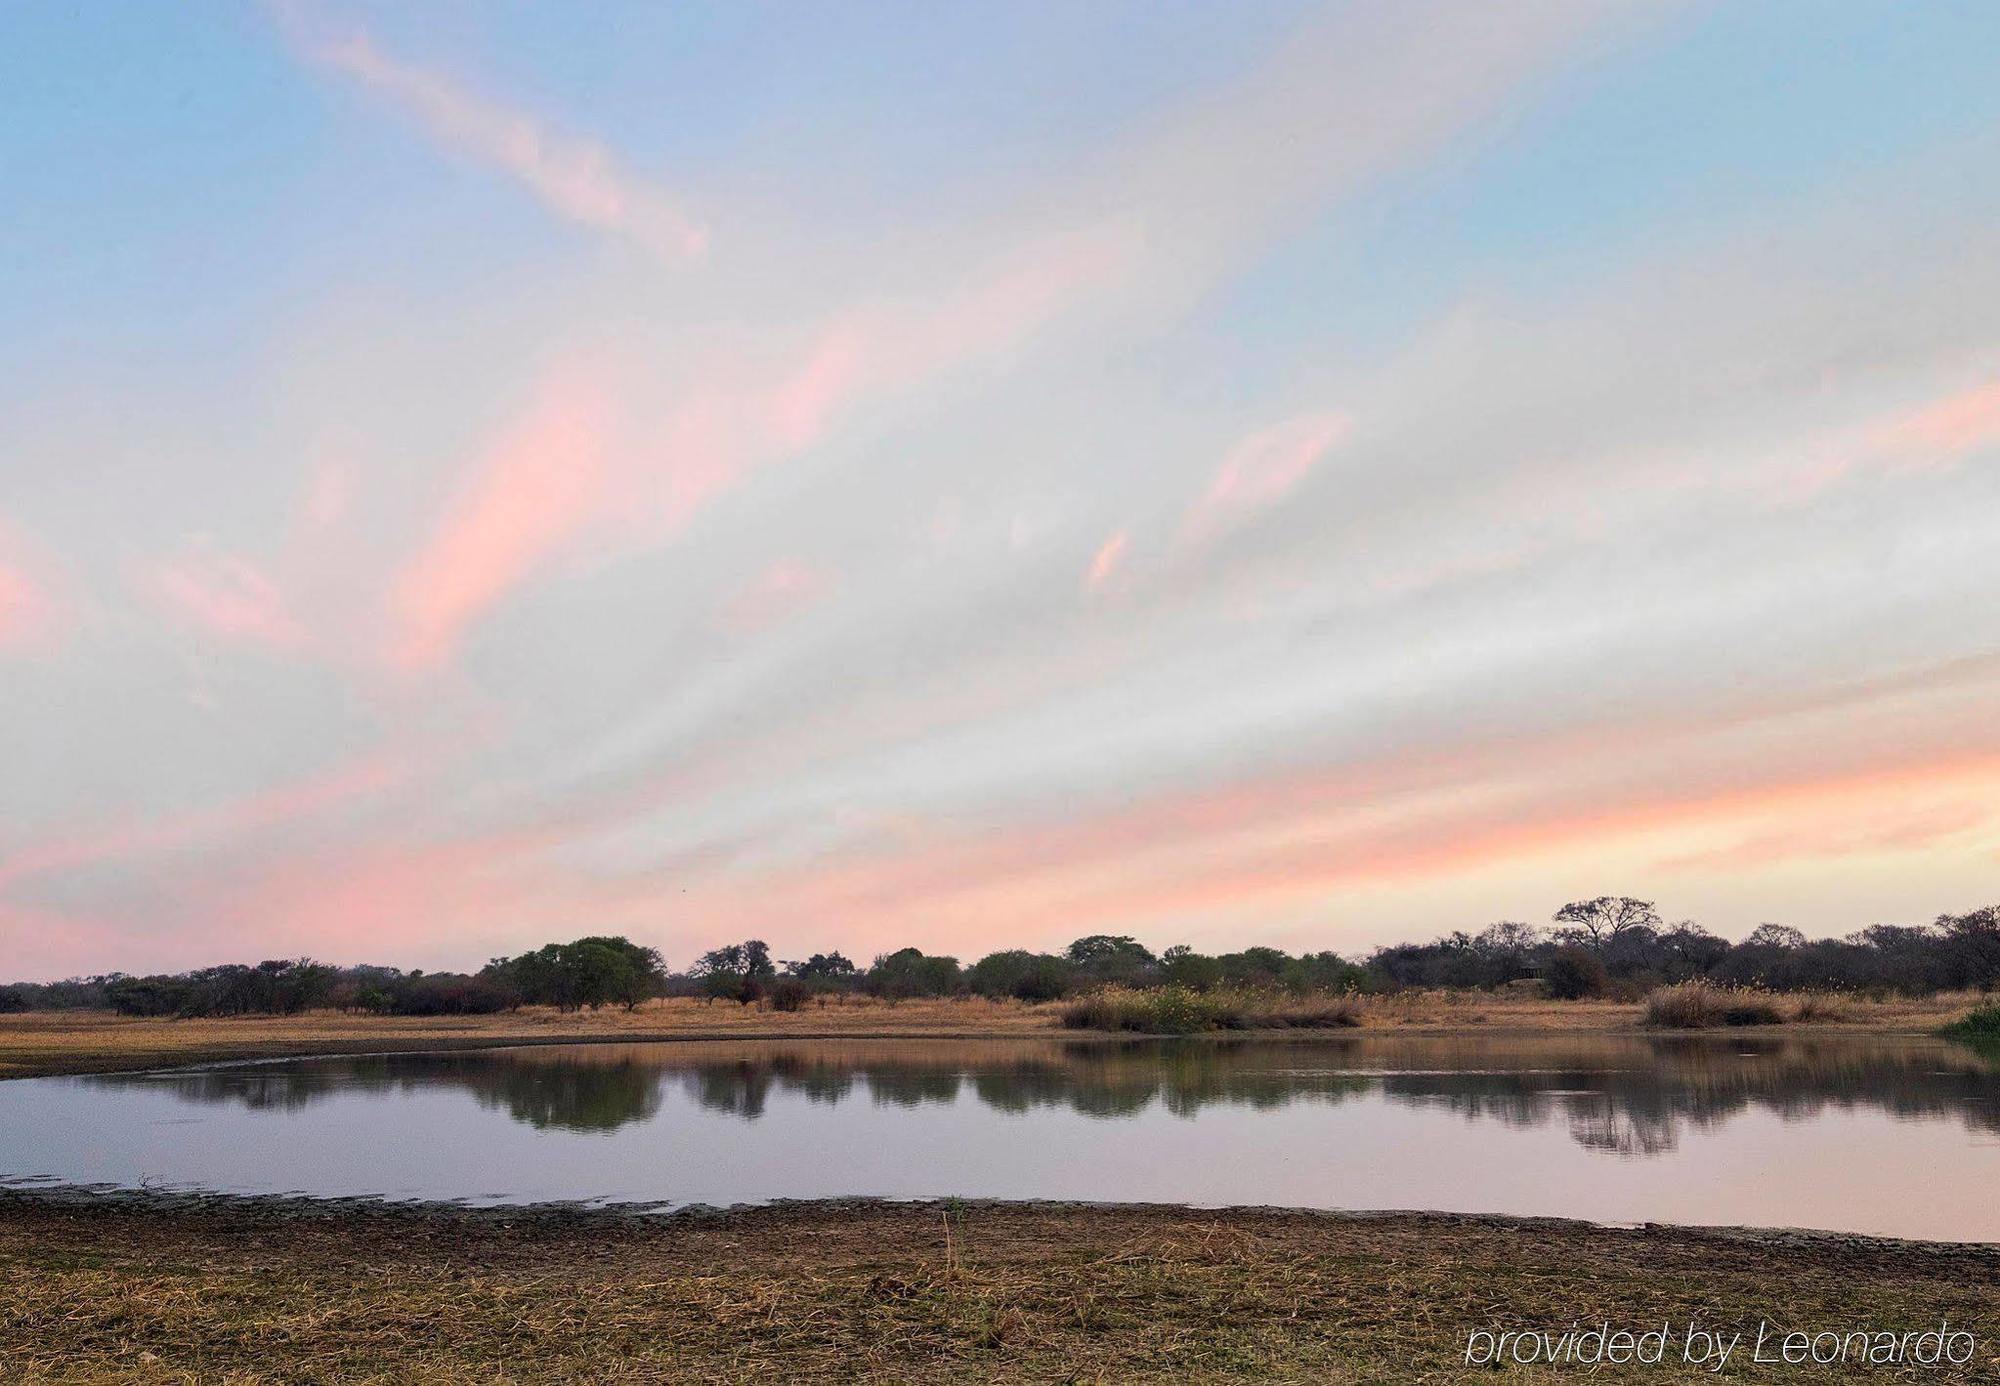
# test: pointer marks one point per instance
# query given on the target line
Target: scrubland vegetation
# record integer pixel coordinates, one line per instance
(1610, 949)
(1982, 1025)
(1176, 1010)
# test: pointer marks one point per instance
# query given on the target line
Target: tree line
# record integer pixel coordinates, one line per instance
(1608, 945)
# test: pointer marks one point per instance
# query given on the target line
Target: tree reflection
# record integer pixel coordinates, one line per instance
(1628, 1096)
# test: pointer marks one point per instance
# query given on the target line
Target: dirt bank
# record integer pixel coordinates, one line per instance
(131, 1289)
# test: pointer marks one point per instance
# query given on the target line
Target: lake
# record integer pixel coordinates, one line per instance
(1895, 1137)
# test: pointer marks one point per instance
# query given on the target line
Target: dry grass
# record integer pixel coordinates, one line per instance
(1700, 1006)
(1822, 1008)
(95, 1041)
(991, 1293)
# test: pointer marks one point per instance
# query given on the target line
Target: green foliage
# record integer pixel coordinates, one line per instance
(1020, 974)
(736, 972)
(825, 969)
(1181, 966)
(1112, 958)
(280, 986)
(1981, 1026)
(596, 971)
(909, 972)
(1176, 1010)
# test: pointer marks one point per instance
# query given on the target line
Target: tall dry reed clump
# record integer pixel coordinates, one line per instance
(1703, 1005)
(1181, 1011)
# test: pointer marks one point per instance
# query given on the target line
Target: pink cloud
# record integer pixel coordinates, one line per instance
(26, 614)
(531, 492)
(577, 179)
(1953, 426)
(1264, 467)
(555, 477)
(230, 597)
(233, 820)
(1104, 563)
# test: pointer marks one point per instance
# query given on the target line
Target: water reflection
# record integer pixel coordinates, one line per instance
(1625, 1096)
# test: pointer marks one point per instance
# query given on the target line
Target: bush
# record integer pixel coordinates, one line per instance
(1020, 974)
(1176, 1010)
(1576, 973)
(789, 994)
(1982, 1025)
(1701, 1006)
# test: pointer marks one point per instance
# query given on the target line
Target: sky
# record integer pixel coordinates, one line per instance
(977, 475)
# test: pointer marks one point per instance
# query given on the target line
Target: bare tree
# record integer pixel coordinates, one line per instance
(1596, 923)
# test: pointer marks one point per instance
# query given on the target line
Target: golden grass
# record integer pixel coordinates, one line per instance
(94, 1041)
(991, 1293)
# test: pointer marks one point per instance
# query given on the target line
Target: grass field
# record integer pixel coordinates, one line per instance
(94, 1042)
(907, 1293)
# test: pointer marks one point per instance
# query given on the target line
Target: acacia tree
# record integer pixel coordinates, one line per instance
(825, 969)
(736, 972)
(1598, 923)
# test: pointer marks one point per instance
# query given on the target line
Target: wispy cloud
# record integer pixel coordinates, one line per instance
(577, 179)
(527, 496)
(1104, 563)
(228, 596)
(1960, 423)
(1261, 469)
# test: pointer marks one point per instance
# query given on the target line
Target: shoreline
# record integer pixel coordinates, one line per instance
(58, 1044)
(98, 1289)
(580, 1215)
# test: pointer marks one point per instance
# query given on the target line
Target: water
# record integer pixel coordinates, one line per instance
(1896, 1137)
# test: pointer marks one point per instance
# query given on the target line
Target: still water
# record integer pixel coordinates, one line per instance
(1898, 1137)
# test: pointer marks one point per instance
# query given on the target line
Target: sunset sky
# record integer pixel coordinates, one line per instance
(973, 475)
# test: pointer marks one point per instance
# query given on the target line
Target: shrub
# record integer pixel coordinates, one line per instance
(1176, 1010)
(1701, 1006)
(789, 994)
(1982, 1025)
(1576, 973)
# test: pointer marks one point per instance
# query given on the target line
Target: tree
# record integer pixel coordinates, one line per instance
(736, 972)
(1596, 923)
(908, 972)
(599, 970)
(1972, 945)
(1019, 973)
(1775, 936)
(1575, 972)
(1181, 966)
(1111, 958)
(833, 968)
